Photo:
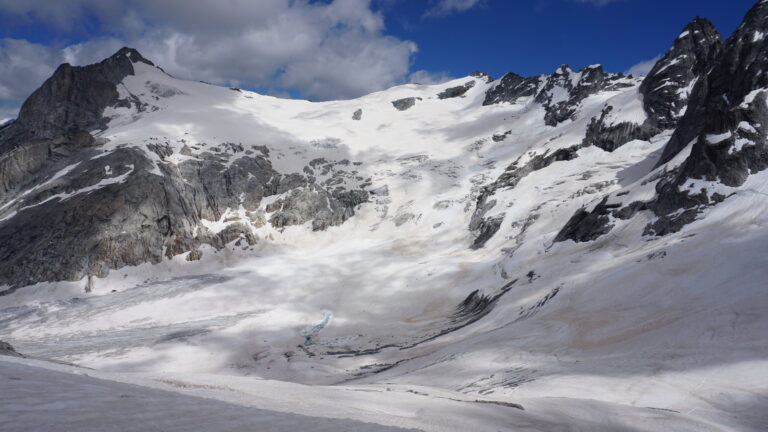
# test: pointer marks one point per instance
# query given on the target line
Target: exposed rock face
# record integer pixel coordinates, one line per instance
(559, 93)
(602, 133)
(510, 88)
(577, 86)
(67, 214)
(665, 91)
(586, 226)
(729, 94)
(358, 114)
(667, 87)
(405, 103)
(457, 91)
(302, 205)
(19, 165)
(72, 99)
(727, 122)
(725, 125)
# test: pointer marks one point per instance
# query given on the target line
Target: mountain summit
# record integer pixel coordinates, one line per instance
(73, 99)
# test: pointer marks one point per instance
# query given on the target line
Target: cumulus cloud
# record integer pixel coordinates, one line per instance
(23, 65)
(642, 68)
(325, 50)
(446, 7)
(428, 78)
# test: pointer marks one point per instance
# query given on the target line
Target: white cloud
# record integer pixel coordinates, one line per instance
(642, 68)
(24, 66)
(324, 50)
(446, 7)
(428, 78)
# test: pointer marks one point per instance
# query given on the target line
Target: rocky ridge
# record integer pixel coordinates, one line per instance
(722, 124)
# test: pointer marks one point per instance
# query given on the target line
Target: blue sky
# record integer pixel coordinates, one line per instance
(535, 36)
(327, 49)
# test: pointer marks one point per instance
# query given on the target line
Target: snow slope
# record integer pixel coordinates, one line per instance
(171, 402)
(628, 332)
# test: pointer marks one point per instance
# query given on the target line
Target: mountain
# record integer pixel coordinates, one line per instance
(580, 250)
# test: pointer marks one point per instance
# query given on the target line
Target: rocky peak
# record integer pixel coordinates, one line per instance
(700, 38)
(726, 124)
(741, 68)
(665, 90)
(511, 87)
(727, 114)
(731, 88)
(565, 89)
(72, 99)
(131, 54)
(667, 87)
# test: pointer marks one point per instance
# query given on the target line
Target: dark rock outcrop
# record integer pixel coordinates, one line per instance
(586, 226)
(668, 85)
(609, 136)
(561, 93)
(405, 103)
(665, 91)
(458, 91)
(725, 124)
(577, 86)
(72, 100)
(358, 114)
(510, 88)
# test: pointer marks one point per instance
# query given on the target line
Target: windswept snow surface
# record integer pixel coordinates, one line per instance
(622, 333)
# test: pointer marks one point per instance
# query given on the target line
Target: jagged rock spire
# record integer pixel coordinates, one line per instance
(720, 102)
(667, 87)
(726, 122)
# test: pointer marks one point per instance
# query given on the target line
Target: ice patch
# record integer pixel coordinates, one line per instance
(739, 144)
(310, 332)
(747, 127)
(749, 98)
(716, 139)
